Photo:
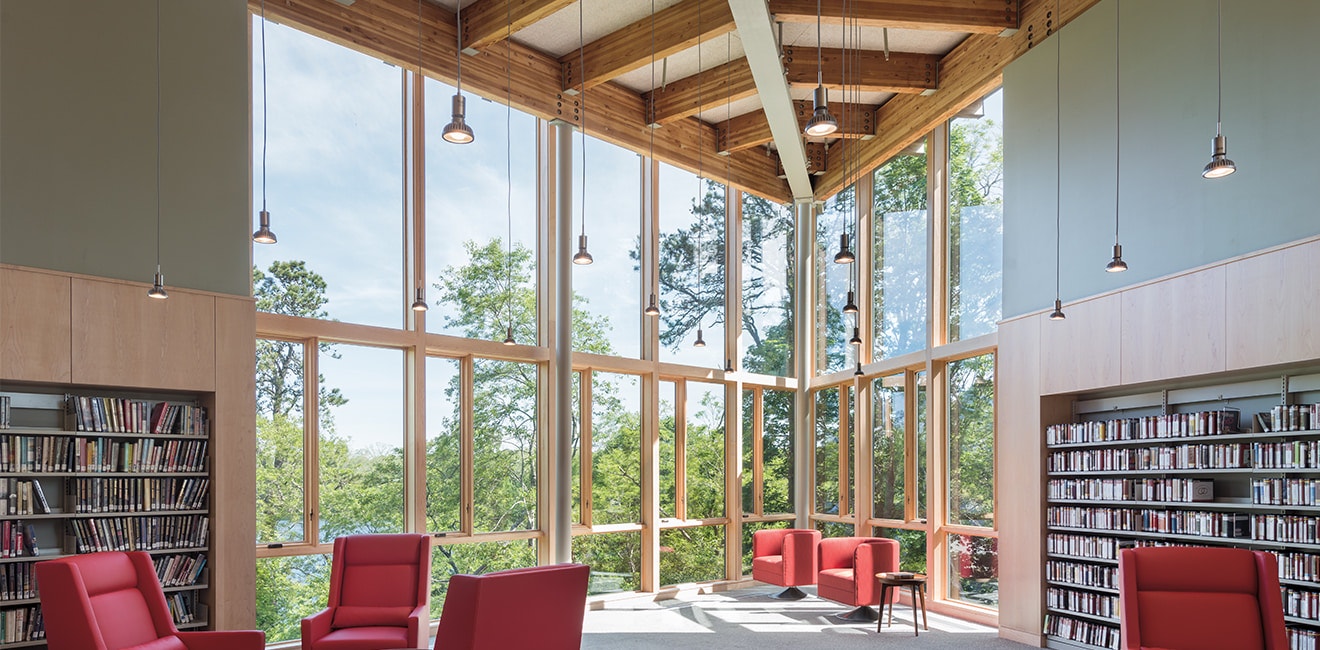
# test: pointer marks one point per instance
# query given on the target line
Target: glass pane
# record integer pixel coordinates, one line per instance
(972, 441)
(768, 257)
(288, 589)
(976, 219)
(974, 570)
(705, 450)
(361, 454)
(444, 434)
(748, 452)
(504, 445)
(616, 451)
(607, 316)
(888, 438)
(899, 257)
(691, 268)
(668, 454)
(827, 451)
(477, 280)
(911, 547)
(833, 281)
(475, 559)
(334, 178)
(921, 445)
(615, 560)
(834, 529)
(691, 554)
(750, 527)
(777, 452)
(280, 429)
(577, 447)
(846, 465)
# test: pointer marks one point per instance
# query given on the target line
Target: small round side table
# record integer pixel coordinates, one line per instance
(916, 583)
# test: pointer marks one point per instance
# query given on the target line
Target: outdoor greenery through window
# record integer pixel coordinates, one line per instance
(972, 441)
(976, 218)
(692, 269)
(607, 294)
(768, 256)
(888, 441)
(899, 294)
(833, 281)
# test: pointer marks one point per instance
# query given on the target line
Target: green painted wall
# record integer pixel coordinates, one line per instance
(1171, 219)
(78, 141)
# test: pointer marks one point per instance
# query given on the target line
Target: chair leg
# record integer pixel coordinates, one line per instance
(792, 593)
(863, 614)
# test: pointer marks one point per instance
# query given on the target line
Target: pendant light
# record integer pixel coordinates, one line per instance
(1117, 265)
(850, 307)
(821, 123)
(458, 131)
(1057, 314)
(263, 235)
(858, 372)
(1219, 165)
(157, 289)
(508, 168)
(728, 365)
(700, 342)
(582, 257)
(652, 306)
(419, 301)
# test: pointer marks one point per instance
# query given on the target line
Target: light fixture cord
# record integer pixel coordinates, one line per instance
(508, 151)
(820, 69)
(458, 41)
(158, 137)
(265, 115)
(1219, 67)
(1118, 113)
(728, 114)
(582, 78)
(1058, 139)
(701, 190)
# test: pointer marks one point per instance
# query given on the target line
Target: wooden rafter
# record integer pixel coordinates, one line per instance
(388, 29)
(902, 72)
(975, 16)
(625, 50)
(855, 120)
(699, 92)
(488, 21)
(751, 129)
(743, 132)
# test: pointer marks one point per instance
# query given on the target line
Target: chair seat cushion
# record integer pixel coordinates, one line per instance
(363, 616)
(163, 643)
(769, 568)
(364, 638)
(1205, 621)
(836, 579)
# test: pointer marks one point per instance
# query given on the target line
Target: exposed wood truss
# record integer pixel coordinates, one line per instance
(751, 129)
(975, 16)
(487, 21)
(901, 72)
(676, 29)
(699, 92)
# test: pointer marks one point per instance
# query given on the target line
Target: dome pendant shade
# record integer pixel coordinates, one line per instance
(157, 289)
(859, 372)
(845, 254)
(1057, 314)
(700, 342)
(264, 235)
(419, 304)
(856, 337)
(582, 257)
(1117, 265)
(851, 306)
(1219, 165)
(508, 336)
(652, 307)
(457, 131)
(822, 123)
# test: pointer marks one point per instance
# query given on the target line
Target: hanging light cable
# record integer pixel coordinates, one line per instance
(1116, 264)
(845, 254)
(700, 342)
(821, 123)
(652, 306)
(458, 131)
(157, 289)
(854, 178)
(419, 301)
(508, 166)
(1219, 165)
(582, 257)
(1057, 314)
(263, 235)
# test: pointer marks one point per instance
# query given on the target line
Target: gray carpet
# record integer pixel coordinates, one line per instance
(749, 619)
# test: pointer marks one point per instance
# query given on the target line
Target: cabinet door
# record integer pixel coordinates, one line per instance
(1273, 302)
(123, 338)
(35, 326)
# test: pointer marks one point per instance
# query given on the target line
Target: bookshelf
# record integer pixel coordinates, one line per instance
(103, 470)
(1230, 464)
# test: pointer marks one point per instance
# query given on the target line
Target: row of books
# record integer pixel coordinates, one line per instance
(1300, 638)
(1090, 546)
(1297, 454)
(1173, 425)
(1175, 522)
(140, 533)
(18, 539)
(1082, 574)
(1286, 491)
(22, 497)
(1222, 456)
(120, 415)
(1084, 602)
(1075, 629)
(1298, 529)
(179, 570)
(1298, 565)
(4, 411)
(18, 581)
(183, 606)
(1185, 490)
(1301, 603)
(1293, 417)
(93, 495)
(21, 624)
(94, 455)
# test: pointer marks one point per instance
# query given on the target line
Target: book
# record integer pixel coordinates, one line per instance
(41, 497)
(898, 575)
(30, 541)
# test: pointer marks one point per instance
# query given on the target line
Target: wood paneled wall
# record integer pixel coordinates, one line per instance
(1249, 312)
(63, 329)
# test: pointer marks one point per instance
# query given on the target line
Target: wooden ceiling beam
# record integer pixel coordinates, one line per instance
(969, 72)
(975, 16)
(700, 92)
(751, 129)
(387, 29)
(627, 49)
(486, 22)
(903, 72)
(743, 132)
(856, 121)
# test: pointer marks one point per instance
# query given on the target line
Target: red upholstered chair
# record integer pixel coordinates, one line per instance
(380, 595)
(785, 557)
(113, 601)
(846, 572)
(539, 607)
(1184, 598)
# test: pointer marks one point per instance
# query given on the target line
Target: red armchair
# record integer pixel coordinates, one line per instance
(846, 572)
(113, 601)
(1185, 598)
(380, 595)
(785, 557)
(539, 607)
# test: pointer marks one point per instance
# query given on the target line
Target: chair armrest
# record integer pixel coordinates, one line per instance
(800, 553)
(871, 557)
(316, 626)
(419, 626)
(240, 640)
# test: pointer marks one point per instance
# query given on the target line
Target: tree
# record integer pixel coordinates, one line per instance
(686, 256)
